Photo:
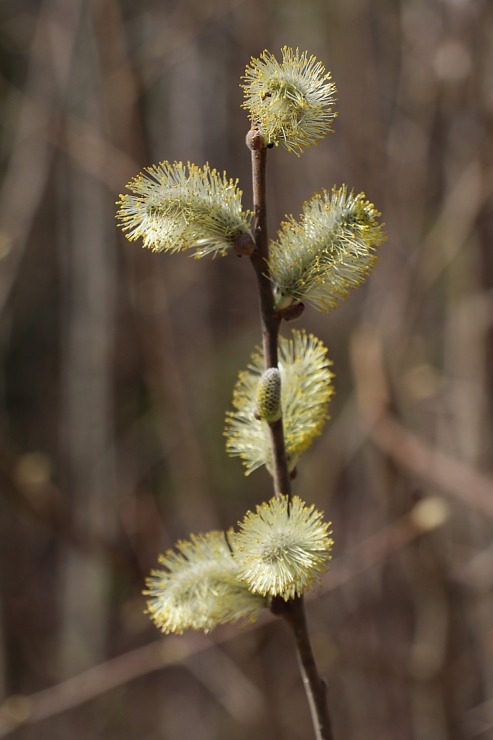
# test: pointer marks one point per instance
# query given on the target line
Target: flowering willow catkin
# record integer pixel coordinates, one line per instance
(176, 207)
(306, 390)
(283, 547)
(290, 102)
(328, 252)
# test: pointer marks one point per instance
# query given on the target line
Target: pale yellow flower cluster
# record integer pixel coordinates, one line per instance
(177, 207)
(306, 390)
(221, 577)
(290, 102)
(282, 548)
(198, 587)
(328, 252)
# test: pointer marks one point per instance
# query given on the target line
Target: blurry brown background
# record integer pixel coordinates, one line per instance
(118, 365)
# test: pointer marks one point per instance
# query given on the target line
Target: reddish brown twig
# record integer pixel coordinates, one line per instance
(292, 611)
(454, 478)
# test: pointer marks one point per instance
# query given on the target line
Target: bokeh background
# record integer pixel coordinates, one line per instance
(118, 365)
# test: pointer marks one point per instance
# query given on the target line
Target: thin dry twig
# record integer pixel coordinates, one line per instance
(20, 710)
(454, 478)
(29, 164)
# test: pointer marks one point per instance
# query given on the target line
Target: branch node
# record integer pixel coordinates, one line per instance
(255, 140)
(291, 313)
(243, 245)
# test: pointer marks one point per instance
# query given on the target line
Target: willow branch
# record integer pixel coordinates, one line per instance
(269, 319)
(292, 611)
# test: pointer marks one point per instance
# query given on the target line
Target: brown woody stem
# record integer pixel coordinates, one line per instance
(269, 319)
(292, 611)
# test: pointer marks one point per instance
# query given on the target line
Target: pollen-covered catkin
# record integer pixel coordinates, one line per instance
(291, 102)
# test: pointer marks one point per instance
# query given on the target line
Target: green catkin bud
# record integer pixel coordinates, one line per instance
(268, 396)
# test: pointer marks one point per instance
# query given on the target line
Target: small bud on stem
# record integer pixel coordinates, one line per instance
(290, 313)
(269, 396)
(255, 140)
(243, 245)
